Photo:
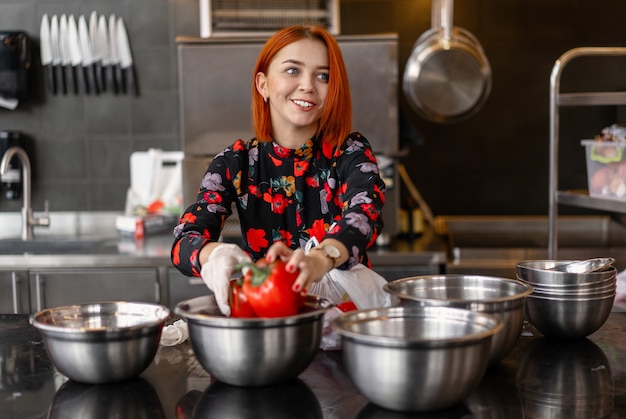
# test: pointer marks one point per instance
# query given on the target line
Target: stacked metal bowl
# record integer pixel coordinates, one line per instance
(570, 299)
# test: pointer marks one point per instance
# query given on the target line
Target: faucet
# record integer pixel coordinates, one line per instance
(28, 220)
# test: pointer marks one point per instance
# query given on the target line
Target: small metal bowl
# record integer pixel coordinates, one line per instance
(253, 352)
(102, 342)
(541, 273)
(598, 285)
(416, 358)
(502, 297)
(570, 318)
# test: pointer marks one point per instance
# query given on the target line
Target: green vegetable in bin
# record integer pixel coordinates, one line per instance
(613, 157)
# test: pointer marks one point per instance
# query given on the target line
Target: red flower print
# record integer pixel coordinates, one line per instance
(380, 193)
(188, 218)
(286, 237)
(312, 181)
(256, 239)
(254, 190)
(212, 197)
(277, 162)
(336, 228)
(318, 229)
(327, 149)
(193, 259)
(278, 201)
(239, 145)
(176, 254)
(370, 211)
(329, 192)
(298, 219)
(300, 167)
(282, 151)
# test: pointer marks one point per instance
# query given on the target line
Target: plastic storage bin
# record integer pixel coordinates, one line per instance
(606, 168)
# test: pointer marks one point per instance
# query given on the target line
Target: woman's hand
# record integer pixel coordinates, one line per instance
(312, 267)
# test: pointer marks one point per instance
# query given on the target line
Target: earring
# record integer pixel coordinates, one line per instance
(265, 99)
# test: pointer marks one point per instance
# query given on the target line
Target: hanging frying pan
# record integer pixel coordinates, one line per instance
(447, 77)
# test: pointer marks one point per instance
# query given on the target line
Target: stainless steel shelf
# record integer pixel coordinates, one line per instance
(583, 200)
(592, 99)
(557, 100)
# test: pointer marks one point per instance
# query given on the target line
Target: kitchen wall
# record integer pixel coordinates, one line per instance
(494, 163)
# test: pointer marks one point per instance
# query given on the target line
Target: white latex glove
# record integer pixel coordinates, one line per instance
(216, 272)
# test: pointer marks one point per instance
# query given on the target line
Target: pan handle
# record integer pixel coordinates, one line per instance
(442, 16)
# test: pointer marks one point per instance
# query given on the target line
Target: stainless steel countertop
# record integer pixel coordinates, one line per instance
(107, 248)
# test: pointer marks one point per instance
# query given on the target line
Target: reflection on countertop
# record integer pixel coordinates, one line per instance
(540, 378)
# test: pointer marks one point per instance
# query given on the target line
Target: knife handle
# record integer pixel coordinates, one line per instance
(132, 80)
(79, 79)
(120, 76)
(110, 77)
(70, 77)
(90, 79)
(50, 79)
(62, 87)
(97, 68)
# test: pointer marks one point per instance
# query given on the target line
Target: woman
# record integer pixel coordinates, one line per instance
(304, 178)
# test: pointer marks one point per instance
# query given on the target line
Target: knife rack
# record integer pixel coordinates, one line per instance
(264, 17)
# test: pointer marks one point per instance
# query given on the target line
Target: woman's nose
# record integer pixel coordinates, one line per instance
(306, 84)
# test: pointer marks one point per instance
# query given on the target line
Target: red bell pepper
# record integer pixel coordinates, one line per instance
(268, 289)
(239, 305)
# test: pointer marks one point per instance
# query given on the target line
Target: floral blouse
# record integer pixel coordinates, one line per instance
(288, 195)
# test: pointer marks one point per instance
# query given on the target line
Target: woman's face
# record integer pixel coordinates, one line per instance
(296, 85)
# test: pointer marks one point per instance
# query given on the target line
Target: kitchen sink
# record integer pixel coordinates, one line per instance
(51, 245)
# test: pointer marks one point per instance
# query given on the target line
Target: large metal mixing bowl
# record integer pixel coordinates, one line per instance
(416, 358)
(253, 352)
(571, 318)
(102, 342)
(504, 298)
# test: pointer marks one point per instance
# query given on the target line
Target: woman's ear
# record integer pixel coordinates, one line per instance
(261, 84)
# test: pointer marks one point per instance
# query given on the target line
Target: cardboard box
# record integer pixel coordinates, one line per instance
(606, 168)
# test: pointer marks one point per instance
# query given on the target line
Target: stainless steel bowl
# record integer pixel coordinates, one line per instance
(416, 358)
(253, 352)
(584, 293)
(593, 287)
(504, 298)
(539, 272)
(571, 318)
(102, 342)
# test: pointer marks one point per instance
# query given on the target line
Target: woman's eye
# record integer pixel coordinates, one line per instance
(323, 76)
(293, 71)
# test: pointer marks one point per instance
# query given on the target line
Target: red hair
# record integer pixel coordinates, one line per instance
(336, 120)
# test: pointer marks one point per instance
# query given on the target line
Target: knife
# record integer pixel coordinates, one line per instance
(64, 47)
(126, 58)
(76, 58)
(56, 54)
(46, 54)
(96, 48)
(116, 70)
(103, 44)
(85, 50)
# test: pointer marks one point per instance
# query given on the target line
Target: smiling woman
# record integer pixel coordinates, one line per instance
(304, 178)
